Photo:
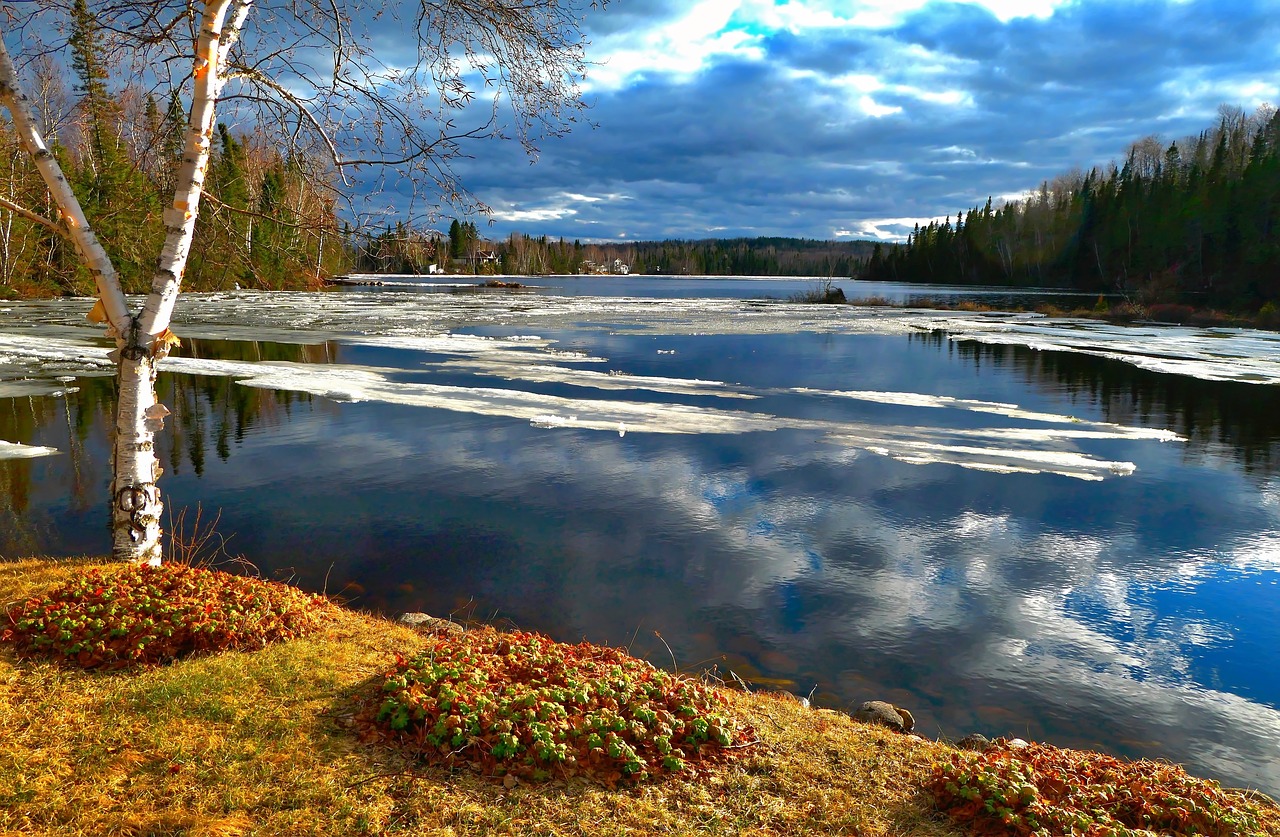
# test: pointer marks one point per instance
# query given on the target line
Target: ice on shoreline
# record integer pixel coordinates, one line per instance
(51, 338)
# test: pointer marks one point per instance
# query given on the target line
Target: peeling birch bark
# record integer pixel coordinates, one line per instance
(88, 247)
(145, 339)
(137, 506)
(212, 50)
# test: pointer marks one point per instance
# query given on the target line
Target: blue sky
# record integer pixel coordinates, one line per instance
(857, 119)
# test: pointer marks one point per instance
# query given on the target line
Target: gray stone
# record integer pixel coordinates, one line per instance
(908, 720)
(879, 712)
(974, 741)
(428, 624)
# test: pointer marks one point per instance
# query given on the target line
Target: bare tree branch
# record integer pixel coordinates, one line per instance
(33, 217)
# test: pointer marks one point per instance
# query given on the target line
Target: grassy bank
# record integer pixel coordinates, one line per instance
(259, 743)
(263, 743)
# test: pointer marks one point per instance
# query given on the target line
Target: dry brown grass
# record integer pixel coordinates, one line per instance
(260, 744)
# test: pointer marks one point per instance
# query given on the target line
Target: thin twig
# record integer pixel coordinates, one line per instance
(674, 665)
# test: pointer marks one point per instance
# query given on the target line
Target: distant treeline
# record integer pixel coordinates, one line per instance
(1196, 221)
(740, 257)
(399, 250)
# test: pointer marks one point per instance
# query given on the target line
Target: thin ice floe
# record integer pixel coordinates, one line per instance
(611, 380)
(1240, 355)
(12, 450)
(921, 451)
(1210, 354)
(34, 388)
(369, 384)
(913, 399)
(437, 327)
(1040, 450)
(509, 349)
(1005, 450)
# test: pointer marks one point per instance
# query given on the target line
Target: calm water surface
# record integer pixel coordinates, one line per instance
(1007, 526)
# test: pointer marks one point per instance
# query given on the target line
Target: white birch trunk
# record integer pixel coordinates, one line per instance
(144, 339)
(212, 49)
(137, 507)
(73, 219)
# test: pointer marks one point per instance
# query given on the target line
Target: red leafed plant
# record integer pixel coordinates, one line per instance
(141, 614)
(1044, 791)
(522, 704)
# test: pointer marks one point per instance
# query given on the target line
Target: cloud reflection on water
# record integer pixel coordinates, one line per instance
(976, 614)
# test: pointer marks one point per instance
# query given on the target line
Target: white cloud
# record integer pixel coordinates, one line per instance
(713, 29)
(553, 213)
(872, 108)
(555, 208)
(800, 15)
(884, 229)
(944, 97)
(681, 46)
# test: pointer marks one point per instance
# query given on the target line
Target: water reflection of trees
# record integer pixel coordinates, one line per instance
(213, 411)
(1209, 414)
(75, 479)
(209, 413)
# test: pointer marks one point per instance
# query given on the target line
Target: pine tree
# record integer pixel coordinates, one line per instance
(117, 197)
(91, 74)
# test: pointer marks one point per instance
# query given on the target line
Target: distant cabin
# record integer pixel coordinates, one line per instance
(617, 268)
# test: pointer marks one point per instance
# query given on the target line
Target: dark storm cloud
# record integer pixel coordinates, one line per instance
(781, 141)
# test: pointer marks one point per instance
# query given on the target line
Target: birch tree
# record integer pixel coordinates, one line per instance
(460, 70)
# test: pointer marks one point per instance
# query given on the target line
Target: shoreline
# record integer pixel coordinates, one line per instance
(1122, 312)
(27, 577)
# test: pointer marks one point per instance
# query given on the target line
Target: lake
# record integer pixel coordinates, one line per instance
(1056, 529)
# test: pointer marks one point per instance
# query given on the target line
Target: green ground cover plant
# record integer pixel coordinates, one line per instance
(1044, 791)
(521, 704)
(138, 615)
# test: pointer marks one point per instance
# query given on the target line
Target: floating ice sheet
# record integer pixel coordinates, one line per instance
(34, 388)
(914, 399)
(612, 380)
(52, 337)
(1217, 354)
(370, 317)
(1008, 450)
(12, 450)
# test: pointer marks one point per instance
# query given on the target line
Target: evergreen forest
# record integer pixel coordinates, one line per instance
(1191, 222)
(401, 250)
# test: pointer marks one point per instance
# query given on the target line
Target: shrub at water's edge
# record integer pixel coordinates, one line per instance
(824, 293)
(524, 705)
(137, 615)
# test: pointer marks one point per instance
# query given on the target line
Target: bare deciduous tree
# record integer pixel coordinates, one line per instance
(404, 98)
